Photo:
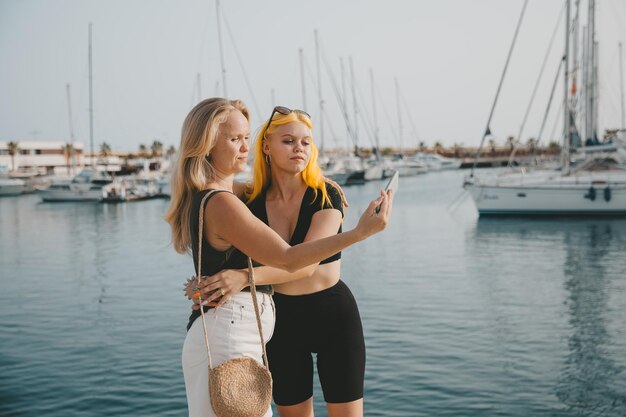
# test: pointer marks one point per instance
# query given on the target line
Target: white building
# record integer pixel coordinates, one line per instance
(43, 157)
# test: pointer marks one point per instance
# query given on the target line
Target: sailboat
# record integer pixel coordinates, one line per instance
(88, 184)
(595, 186)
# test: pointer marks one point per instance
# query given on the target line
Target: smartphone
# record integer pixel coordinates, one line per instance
(391, 185)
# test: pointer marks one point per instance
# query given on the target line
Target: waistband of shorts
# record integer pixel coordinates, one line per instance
(339, 287)
(266, 289)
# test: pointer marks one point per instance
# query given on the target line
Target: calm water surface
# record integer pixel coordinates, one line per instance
(462, 316)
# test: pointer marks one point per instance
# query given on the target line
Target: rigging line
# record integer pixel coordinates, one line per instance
(221, 45)
(406, 109)
(309, 72)
(518, 139)
(394, 132)
(330, 126)
(368, 130)
(557, 121)
(367, 120)
(456, 203)
(495, 101)
(340, 100)
(545, 117)
(609, 100)
(243, 69)
(608, 73)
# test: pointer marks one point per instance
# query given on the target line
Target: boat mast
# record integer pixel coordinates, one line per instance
(69, 114)
(590, 93)
(566, 113)
(93, 160)
(574, 75)
(199, 85)
(395, 80)
(376, 138)
(585, 87)
(219, 37)
(355, 107)
(344, 100)
(621, 84)
(302, 78)
(319, 89)
(487, 131)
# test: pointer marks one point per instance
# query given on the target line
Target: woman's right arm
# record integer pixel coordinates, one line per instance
(229, 219)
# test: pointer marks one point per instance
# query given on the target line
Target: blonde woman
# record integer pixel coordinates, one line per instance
(214, 147)
(316, 312)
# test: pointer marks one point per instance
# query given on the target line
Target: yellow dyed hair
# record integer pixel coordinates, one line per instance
(311, 175)
(193, 170)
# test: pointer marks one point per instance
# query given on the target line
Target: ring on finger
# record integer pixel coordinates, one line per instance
(222, 291)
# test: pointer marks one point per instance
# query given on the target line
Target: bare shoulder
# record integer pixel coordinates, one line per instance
(224, 203)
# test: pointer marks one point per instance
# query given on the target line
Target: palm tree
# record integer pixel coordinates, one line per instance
(68, 154)
(156, 148)
(143, 150)
(554, 147)
(13, 148)
(171, 151)
(457, 150)
(510, 141)
(422, 146)
(492, 147)
(438, 147)
(105, 149)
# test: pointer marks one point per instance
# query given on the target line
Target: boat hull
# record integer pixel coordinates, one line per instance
(64, 196)
(12, 188)
(573, 200)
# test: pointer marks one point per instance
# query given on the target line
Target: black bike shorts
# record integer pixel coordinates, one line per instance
(327, 323)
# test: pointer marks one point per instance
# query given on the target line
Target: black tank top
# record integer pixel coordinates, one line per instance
(213, 260)
(311, 204)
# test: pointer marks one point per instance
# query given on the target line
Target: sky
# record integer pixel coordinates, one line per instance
(446, 55)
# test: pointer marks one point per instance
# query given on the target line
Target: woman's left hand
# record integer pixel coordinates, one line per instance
(217, 289)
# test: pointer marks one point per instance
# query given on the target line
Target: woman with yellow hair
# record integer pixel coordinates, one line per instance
(315, 310)
(214, 147)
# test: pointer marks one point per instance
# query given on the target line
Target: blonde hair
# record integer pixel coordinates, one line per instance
(193, 169)
(311, 175)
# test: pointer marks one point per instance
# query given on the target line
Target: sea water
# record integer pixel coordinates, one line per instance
(462, 316)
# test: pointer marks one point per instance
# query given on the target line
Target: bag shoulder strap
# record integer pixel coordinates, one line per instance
(250, 281)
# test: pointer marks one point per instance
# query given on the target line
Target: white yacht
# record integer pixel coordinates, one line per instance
(11, 187)
(407, 167)
(86, 186)
(596, 187)
(436, 162)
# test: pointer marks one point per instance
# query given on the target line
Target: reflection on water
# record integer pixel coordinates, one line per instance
(588, 378)
(590, 381)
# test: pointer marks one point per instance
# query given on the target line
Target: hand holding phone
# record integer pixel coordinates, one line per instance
(391, 185)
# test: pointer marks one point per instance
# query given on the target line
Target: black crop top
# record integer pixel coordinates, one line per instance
(310, 205)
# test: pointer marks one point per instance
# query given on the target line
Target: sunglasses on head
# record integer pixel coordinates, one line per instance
(284, 111)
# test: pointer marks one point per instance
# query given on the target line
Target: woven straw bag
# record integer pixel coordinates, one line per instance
(240, 387)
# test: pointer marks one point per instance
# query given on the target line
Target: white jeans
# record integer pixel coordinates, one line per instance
(233, 333)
